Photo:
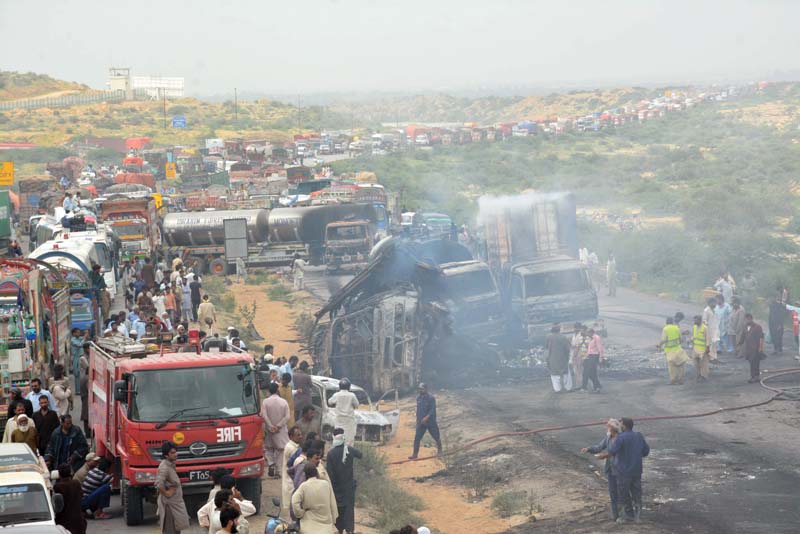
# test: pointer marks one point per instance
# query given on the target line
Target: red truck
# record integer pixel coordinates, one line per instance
(206, 403)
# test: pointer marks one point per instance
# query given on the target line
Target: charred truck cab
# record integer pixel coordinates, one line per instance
(347, 245)
(532, 249)
(205, 403)
(469, 292)
(554, 290)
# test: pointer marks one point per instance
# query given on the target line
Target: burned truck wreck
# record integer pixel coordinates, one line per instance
(419, 311)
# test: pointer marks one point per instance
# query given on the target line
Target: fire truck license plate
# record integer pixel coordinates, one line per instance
(201, 475)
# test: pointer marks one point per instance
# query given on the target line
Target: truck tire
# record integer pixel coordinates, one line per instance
(218, 266)
(251, 490)
(132, 504)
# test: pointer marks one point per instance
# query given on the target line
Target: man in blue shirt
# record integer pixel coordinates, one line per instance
(627, 451)
(426, 420)
(37, 391)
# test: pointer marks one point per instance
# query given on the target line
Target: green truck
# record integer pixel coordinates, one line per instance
(6, 228)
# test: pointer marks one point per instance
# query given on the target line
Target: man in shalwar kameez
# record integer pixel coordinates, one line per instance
(275, 413)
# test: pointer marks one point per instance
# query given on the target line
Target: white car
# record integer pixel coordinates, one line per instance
(26, 504)
(372, 424)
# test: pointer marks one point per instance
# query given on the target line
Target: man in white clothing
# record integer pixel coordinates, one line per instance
(345, 404)
(711, 321)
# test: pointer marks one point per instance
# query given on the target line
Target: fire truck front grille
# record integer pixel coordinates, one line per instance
(199, 450)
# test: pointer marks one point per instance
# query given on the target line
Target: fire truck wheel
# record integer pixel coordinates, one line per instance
(251, 490)
(132, 504)
(218, 266)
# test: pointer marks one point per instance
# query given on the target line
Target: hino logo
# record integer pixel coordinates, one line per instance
(198, 448)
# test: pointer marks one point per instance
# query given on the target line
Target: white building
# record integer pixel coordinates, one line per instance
(155, 87)
(159, 86)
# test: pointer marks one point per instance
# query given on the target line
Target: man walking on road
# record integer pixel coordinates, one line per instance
(753, 347)
(426, 420)
(627, 451)
(700, 348)
(207, 314)
(558, 349)
(600, 451)
(676, 356)
(298, 272)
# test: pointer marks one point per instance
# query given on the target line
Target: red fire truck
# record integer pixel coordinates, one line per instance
(206, 403)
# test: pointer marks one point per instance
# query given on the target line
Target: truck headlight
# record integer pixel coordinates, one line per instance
(144, 477)
(254, 469)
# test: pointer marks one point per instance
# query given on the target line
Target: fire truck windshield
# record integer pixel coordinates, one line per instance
(227, 391)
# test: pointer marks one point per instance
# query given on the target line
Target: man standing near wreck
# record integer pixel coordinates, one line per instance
(558, 351)
(426, 420)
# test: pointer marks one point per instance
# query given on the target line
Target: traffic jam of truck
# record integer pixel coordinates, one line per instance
(413, 299)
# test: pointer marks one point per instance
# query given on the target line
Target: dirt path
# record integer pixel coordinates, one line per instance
(274, 320)
(447, 508)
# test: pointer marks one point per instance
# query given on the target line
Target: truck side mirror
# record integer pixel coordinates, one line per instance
(58, 503)
(121, 391)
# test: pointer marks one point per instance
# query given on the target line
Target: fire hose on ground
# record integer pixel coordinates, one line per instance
(770, 375)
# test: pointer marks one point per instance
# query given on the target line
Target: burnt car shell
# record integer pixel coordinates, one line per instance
(371, 424)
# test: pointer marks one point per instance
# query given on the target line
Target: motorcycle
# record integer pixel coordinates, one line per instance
(276, 525)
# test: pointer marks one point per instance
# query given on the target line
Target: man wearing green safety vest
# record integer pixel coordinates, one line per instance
(700, 348)
(676, 356)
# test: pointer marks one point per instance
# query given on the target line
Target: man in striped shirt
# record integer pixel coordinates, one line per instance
(97, 490)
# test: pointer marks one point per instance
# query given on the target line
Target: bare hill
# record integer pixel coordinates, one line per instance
(17, 85)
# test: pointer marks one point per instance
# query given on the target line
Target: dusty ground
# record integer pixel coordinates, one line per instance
(274, 320)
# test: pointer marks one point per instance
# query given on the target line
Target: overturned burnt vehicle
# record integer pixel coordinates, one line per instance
(418, 311)
(430, 311)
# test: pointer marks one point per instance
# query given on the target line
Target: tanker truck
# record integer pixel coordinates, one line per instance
(273, 237)
(198, 237)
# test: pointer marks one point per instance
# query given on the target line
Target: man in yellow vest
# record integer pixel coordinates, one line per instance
(700, 348)
(676, 356)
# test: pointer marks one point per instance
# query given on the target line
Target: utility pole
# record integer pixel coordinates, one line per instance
(164, 93)
(235, 104)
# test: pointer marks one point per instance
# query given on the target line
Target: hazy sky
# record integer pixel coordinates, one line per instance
(343, 45)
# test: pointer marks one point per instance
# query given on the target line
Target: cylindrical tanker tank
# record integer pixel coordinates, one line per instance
(307, 224)
(206, 228)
